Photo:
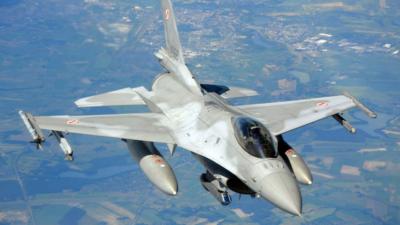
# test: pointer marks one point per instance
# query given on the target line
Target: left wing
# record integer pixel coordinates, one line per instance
(281, 117)
(140, 126)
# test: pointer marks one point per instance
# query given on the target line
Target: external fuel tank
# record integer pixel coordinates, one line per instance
(295, 162)
(154, 166)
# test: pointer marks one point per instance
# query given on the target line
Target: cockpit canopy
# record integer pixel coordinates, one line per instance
(254, 137)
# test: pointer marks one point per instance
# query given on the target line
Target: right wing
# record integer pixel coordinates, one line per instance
(139, 126)
(281, 117)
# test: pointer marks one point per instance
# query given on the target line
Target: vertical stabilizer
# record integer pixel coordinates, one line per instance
(171, 58)
(173, 44)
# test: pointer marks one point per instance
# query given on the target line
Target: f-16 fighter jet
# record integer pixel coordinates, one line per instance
(241, 147)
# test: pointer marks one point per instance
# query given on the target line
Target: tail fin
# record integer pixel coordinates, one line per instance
(171, 58)
(173, 44)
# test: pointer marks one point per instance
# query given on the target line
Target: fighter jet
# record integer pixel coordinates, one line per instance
(240, 146)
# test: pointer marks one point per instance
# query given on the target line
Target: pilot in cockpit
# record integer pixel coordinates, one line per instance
(254, 138)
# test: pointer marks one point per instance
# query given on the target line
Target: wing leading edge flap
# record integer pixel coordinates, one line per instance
(125, 96)
(139, 126)
(281, 117)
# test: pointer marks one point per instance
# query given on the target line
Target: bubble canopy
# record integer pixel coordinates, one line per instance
(254, 137)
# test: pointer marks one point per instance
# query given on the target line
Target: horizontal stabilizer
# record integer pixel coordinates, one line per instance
(229, 92)
(125, 96)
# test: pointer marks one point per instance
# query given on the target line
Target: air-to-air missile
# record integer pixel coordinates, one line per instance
(33, 128)
(361, 106)
(64, 145)
(294, 161)
(153, 165)
(38, 136)
(344, 123)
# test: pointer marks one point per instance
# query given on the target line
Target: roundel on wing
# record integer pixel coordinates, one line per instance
(322, 104)
(72, 122)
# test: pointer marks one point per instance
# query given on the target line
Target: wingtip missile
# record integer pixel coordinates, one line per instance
(33, 128)
(361, 106)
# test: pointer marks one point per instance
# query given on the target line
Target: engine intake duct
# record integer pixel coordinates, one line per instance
(236, 185)
(217, 190)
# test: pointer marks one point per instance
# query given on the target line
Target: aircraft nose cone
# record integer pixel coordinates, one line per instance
(281, 189)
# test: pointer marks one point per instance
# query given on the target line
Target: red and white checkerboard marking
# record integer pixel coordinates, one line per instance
(72, 122)
(166, 14)
(323, 104)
